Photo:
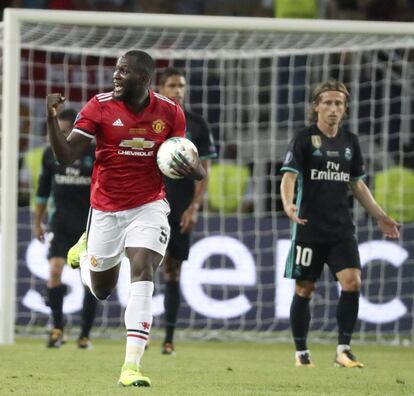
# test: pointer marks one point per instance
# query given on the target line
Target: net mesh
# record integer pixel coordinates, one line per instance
(253, 89)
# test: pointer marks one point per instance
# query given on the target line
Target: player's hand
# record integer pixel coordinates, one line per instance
(389, 227)
(291, 211)
(39, 231)
(189, 219)
(53, 102)
(191, 170)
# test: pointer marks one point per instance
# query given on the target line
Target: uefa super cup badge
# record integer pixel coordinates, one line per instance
(158, 126)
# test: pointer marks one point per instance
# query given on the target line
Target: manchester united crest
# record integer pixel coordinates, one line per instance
(316, 141)
(94, 261)
(158, 126)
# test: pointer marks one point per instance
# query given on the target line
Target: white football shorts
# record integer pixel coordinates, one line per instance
(109, 233)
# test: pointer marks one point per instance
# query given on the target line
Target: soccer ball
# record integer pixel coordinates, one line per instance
(167, 151)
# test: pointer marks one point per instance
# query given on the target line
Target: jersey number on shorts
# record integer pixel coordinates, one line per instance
(303, 256)
(164, 236)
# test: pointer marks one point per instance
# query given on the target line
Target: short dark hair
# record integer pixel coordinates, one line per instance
(143, 62)
(167, 73)
(68, 115)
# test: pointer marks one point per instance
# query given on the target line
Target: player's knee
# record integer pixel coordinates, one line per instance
(171, 275)
(305, 289)
(54, 279)
(305, 293)
(351, 284)
(56, 269)
(146, 275)
(172, 269)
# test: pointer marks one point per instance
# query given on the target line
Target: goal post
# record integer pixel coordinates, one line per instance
(251, 79)
(9, 175)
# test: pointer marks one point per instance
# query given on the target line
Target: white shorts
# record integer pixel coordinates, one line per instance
(109, 233)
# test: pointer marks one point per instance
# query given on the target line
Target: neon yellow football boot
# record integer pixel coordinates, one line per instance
(131, 376)
(348, 360)
(75, 252)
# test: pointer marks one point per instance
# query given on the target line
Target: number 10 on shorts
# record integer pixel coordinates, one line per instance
(303, 256)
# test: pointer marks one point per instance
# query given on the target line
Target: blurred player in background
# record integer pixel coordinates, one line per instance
(185, 198)
(69, 189)
(325, 161)
(129, 212)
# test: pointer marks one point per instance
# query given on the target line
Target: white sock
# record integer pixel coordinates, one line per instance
(298, 353)
(341, 348)
(138, 320)
(85, 272)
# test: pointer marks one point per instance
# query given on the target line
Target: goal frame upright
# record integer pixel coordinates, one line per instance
(13, 20)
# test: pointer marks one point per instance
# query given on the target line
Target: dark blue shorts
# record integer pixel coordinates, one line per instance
(179, 244)
(63, 237)
(307, 259)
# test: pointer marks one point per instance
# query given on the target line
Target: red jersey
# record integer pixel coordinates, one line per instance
(125, 173)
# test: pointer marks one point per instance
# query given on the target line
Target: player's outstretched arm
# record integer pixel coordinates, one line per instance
(287, 191)
(388, 226)
(66, 151)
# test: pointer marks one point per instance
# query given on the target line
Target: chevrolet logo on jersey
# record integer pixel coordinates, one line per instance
(137, 143)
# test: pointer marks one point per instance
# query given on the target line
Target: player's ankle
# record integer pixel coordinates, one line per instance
(341, 348)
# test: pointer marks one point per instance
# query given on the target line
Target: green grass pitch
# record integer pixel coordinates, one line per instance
(203, 368)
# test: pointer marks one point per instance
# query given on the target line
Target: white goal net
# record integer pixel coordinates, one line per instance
(251, 80)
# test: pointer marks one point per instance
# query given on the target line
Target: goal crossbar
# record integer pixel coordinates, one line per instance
(223, 23)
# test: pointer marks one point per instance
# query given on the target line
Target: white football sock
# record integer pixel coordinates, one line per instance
(298, 353)
(138, 320)
(341, 348)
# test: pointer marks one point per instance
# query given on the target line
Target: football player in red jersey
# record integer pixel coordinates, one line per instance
(129, 210)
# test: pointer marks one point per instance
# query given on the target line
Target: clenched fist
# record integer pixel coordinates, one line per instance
(54, 101)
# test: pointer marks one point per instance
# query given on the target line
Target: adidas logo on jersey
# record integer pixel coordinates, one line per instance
(118, 122)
